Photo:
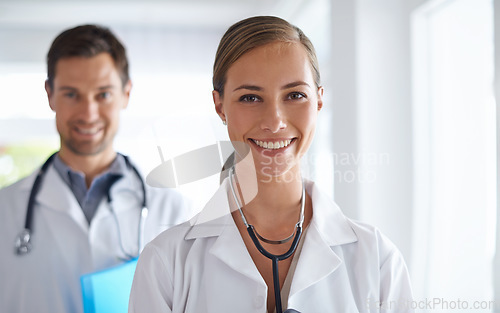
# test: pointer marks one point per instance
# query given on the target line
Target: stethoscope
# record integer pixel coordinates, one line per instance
(274, 258)
(23, 243)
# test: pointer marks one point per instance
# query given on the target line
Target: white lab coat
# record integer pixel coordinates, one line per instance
(47, 280)
(345, 266)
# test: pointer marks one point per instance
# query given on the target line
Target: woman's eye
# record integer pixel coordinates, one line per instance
(249, 98)
(296, 95)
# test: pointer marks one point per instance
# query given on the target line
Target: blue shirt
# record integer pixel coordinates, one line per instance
(90, 198)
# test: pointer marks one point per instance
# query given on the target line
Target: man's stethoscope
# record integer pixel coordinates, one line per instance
(274, 258)
(23, 241)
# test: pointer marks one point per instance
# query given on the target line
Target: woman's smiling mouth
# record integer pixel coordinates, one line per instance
(274, 144)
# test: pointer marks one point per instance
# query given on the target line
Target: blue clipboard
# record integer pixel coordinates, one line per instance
(108, 290)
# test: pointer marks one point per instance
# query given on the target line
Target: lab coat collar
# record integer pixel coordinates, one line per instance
(214, 217)
(328, 220)
(215, 220)
(56, 199)
(128, 183)
(55, 195)
(230, 249)
(328, 228)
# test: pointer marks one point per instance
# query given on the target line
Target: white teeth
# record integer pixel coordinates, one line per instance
(91, 131)
(273, 145)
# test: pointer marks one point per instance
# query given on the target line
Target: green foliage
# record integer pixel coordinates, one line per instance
(18, 161)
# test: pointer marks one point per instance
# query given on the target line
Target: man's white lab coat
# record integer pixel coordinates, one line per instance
(47, 280)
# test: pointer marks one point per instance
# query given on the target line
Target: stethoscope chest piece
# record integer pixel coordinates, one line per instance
(23, 242)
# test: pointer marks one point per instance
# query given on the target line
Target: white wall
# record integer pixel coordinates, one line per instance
(370, 79)
(343, 83)
(496, 262)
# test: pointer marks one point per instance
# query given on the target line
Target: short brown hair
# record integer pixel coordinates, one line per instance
(87, 41)
(254, 32)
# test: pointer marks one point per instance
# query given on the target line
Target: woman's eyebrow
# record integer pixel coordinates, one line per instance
(249, 87)
(257, 88)
(295, 84)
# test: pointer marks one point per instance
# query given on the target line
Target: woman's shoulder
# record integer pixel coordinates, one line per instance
(371, 236)
(174, 233)
(377, 252)
(338, 229)
(366, 230)
(172, 237)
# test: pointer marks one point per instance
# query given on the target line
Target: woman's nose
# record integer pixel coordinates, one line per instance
(274, 118)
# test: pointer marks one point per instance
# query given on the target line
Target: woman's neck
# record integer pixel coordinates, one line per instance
(271, 201)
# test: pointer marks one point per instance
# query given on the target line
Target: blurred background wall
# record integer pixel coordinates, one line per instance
(406, 140)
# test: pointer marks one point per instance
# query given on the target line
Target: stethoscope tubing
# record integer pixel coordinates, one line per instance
(23, 241)
(273, 257)
(34, 192)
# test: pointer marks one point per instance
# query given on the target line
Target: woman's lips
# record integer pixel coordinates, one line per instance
(273, 144)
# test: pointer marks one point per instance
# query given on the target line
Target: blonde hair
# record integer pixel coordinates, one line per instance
(254, 32)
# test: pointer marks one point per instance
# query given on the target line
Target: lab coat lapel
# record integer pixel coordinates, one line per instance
(328, 228)
(55, 195)
(117, 233)
(317, 260)
(56, 208)
(231, 250)
(216, 220)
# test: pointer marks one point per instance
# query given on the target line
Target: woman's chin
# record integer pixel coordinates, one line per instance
(277, 173)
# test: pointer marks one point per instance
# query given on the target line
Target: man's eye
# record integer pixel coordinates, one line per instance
(249, 98)
(104, 95)
(70, 95)
(296, 95)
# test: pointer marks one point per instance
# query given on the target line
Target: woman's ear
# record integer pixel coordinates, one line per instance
(320, 97)
(218, 105)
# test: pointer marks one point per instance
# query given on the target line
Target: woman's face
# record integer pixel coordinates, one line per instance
(271, 103)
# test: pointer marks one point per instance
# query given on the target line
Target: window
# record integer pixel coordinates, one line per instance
(455, 153)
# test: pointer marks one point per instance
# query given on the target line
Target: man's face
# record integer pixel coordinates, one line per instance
(87, 97)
